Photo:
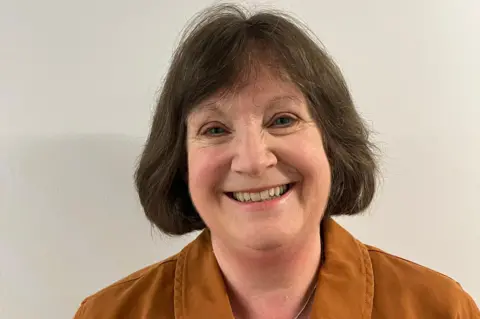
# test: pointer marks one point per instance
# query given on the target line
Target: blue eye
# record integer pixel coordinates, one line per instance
(215, 131)
(283, 121)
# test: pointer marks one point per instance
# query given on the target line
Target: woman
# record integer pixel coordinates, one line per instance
(256, 142)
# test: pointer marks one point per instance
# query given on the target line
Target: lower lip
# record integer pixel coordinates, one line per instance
(267, 204)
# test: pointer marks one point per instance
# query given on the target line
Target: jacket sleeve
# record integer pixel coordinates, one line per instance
(80, 314)
(467, 308)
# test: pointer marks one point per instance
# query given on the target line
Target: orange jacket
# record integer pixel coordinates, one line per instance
(355, 281)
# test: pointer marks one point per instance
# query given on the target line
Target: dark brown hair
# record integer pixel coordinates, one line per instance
(221, 46)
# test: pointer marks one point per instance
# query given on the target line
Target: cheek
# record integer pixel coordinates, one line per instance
(318, 164)
(204, 167)
(308, 156)
(316, 169)
(309, 159)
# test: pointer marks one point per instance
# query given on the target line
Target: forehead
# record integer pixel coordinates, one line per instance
(261, 90)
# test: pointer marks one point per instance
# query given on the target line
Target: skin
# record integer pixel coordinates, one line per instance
(260, 136)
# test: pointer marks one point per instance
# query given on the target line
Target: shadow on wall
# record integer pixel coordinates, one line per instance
(70, 222)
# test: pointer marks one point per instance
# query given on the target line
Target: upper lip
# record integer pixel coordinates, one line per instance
(257, 190)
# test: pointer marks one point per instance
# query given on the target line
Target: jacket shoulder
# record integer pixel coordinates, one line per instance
(146, 291)
(416, 290)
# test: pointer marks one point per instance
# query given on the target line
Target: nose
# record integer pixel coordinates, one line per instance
(252, 155)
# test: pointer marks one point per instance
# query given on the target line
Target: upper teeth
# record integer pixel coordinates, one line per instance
(260, 196)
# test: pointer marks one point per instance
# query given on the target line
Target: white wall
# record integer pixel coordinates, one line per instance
(78, 80)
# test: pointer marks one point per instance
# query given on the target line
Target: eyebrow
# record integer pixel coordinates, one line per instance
(211, 107)
(216, 107)
(279, 98)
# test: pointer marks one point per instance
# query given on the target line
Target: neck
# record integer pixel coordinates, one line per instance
(273, 283)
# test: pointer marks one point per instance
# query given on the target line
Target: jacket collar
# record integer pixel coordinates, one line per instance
(345, 280)
(344, 289)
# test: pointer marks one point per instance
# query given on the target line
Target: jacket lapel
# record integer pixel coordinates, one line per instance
(345, 280)
(199, 290)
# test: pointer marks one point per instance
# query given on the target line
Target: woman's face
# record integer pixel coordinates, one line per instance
(257, 171)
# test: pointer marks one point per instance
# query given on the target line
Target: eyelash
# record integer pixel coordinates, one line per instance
(206, 131)
(291, 118)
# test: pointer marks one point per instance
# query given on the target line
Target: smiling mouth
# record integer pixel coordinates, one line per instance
(265, 195)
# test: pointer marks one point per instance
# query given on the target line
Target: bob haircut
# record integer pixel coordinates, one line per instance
(216, 53)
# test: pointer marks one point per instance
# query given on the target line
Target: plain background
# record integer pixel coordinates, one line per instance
(79, 79)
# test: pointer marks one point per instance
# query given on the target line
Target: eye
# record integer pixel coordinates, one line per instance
(213, 131)
(283, 121)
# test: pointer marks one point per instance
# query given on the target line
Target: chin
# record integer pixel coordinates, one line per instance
(267, 237)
